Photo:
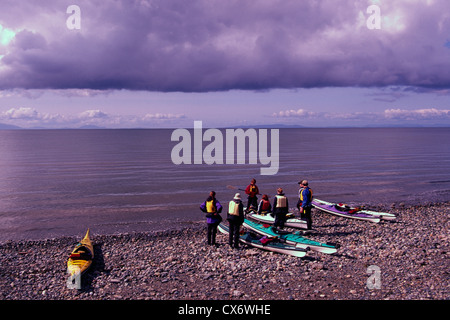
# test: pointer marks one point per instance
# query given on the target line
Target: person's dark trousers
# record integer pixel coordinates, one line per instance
(212, 231)
(306, 215)
(233, 239)
(252, 201)
(280, 218)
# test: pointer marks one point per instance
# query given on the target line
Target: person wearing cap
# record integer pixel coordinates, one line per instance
(252, 191)
(235, 219)
(304, 203)
(280, 208)
(212, 208)
(264, 206)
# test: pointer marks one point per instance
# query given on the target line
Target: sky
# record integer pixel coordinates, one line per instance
(167, 63)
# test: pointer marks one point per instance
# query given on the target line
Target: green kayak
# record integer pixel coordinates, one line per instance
(255, 240)
(290, 238)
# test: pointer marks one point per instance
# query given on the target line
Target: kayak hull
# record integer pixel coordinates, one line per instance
(81, 257)
(383, 215)
(290, 238)
(278, 247)
(329, 207)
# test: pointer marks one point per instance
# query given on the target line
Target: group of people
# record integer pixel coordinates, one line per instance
(235, 214)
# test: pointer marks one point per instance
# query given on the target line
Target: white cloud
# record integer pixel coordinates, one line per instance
(93, 114)
(300, 113)
(25, 116)
(83, 93)
(386, 117)
(29, 117)
(21, 113)
(163, 116)
(419, 114)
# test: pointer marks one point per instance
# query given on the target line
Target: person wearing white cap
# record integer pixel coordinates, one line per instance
(235, 219)
(280, 208)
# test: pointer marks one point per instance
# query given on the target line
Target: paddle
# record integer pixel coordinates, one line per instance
(236, 188)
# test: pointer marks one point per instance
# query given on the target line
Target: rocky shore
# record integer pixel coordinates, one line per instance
(411, 255)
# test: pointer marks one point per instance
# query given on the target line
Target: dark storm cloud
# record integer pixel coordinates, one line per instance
(221, 45)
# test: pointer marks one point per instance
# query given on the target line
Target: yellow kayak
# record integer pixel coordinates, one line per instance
(81, 257)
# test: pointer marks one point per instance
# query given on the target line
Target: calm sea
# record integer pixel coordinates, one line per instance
(59, 182)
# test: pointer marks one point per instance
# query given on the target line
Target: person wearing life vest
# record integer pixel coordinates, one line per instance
(304, 203)
(235, 219)
(252, 190)
(280, 208)
(264, 206)
(212, 208)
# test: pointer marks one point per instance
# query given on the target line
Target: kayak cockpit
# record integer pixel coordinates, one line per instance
(81, 253)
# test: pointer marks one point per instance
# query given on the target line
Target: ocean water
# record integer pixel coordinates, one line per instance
(60, 182)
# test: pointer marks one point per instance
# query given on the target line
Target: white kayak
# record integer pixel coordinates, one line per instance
(291, 220)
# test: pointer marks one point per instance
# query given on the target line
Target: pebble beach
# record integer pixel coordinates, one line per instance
(411, 254)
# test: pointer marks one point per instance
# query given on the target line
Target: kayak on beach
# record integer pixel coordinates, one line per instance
(347, 208)
(291, 220)
(347, 211)
(267, 218)
(81, 258)
(289, 238)
(266, 243)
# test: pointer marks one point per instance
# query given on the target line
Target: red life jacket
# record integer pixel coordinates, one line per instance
(265, 205)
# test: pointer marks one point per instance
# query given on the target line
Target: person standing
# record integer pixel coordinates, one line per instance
(252, 190)
(212, 208)
(304, 203)
(235, 219)
(280, 208)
